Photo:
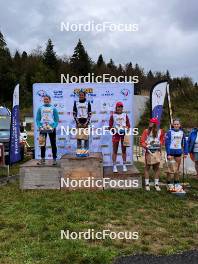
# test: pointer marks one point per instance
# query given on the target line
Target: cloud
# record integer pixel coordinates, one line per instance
(167, 36)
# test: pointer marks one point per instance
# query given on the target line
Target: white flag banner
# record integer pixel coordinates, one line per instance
(158, 93)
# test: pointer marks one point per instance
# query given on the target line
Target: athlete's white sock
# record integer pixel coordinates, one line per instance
(146, 181)
(156, 181)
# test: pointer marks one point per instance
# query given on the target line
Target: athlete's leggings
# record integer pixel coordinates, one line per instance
(52, 137)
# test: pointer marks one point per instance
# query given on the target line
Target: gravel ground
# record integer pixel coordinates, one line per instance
(187, 257)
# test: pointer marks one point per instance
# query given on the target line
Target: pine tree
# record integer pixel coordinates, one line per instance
(80, 61)
(129, 69)
(150, 75)
(49, 56)
(100, 61)
(17, 56)
(2, 41)
(111, 65)
(7, 75)
(168, 77)
(120, 70)
(24, 55)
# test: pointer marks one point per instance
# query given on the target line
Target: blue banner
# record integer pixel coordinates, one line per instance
(15, 154)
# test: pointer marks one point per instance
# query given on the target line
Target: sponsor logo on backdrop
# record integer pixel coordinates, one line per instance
(62, 121)
(59, 105)
(104, 121)
(68, 148)
(58, 94)
(94, 121)
(125, 93)
(41, 93)
(104, 146)
(107, 93)
(89, 93)
(103, 112)
(107, 154)
(61, 147)
(95, 138)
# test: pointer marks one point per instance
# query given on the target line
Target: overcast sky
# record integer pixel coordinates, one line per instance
(167, 37)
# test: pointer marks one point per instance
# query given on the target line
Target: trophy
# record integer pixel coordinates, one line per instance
(46, 128)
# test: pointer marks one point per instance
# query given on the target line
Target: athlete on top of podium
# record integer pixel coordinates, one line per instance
(82, 116)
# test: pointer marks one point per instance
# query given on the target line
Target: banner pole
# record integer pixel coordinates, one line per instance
(169, 105)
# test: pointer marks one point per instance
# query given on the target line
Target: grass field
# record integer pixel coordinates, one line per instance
(31, 221)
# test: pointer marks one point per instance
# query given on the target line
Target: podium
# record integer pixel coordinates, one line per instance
(33, 176)
(79, 169)
(74, 173)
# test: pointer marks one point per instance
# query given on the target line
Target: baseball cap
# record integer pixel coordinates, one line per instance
(119, 104)
(154, 120)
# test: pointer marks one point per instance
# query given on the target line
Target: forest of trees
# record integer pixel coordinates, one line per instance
(47, 66)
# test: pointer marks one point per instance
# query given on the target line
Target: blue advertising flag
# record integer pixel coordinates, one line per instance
(15, 154)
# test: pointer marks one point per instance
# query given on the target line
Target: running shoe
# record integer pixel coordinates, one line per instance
(157, 188)
(41, 162)
(124, 168)
(147, 187)
(115, 168)
(54, 162)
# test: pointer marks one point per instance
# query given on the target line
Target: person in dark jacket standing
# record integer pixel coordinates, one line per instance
(193, 146)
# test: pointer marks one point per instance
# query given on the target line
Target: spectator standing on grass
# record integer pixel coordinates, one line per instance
(152, 140)
(193, 146)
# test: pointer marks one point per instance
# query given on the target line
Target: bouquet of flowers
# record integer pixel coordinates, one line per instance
(46, 128)
(82, 152)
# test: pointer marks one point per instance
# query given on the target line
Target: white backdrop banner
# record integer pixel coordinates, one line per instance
(103, 98)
